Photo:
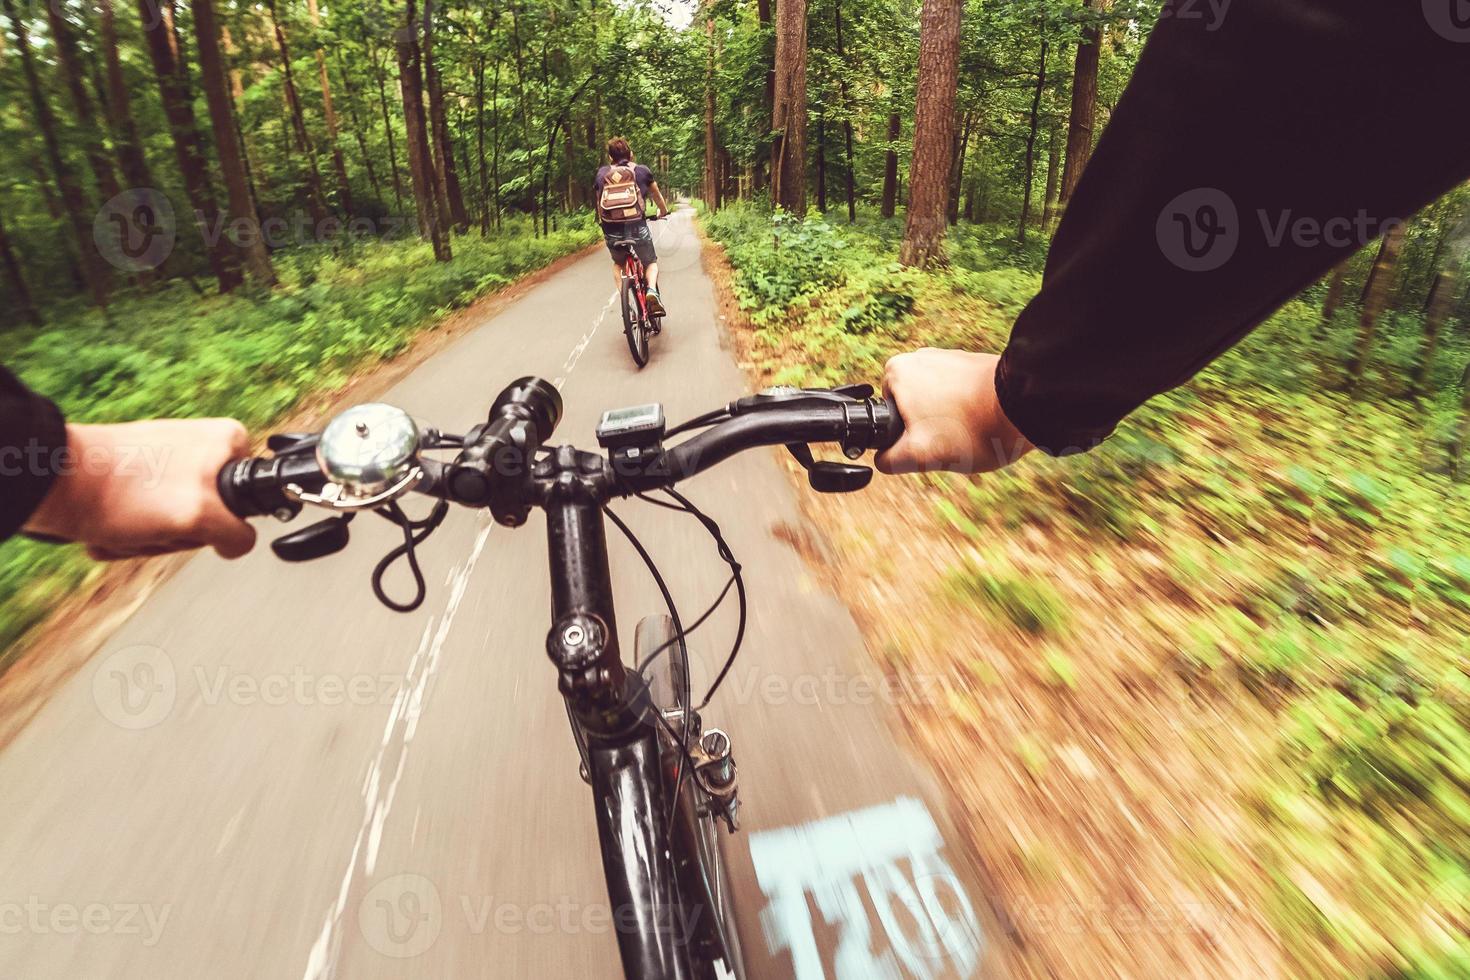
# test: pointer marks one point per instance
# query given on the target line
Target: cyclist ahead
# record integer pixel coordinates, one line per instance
(622, 190)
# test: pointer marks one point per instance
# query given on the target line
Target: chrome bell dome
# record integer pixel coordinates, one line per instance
(369, 448)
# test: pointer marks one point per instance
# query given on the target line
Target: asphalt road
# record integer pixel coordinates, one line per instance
(264, 773)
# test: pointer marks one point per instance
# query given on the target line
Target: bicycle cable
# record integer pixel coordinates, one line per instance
(686, 763)
(732, 582)
(698, 422)
(414, 533)
(722, 547)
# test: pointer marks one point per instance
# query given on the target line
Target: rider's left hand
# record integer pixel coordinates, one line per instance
(146, 488)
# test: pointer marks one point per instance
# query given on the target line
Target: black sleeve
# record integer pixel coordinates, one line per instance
(1241, 164)
(32, 441)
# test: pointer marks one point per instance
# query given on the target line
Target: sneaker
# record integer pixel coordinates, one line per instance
(655, 305)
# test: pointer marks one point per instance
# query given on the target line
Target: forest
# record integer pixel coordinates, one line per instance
(220, 207)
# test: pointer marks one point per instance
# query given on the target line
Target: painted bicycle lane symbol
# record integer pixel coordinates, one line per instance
(889, 853)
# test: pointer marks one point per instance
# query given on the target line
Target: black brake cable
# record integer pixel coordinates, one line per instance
(723, 548)
(699, 422)
(686, 762)
(414, 533)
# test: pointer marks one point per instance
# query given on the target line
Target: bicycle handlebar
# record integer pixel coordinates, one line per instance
(498, 465)
(857, 426)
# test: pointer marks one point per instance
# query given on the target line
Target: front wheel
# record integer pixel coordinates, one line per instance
(699, 860)
(634, 326)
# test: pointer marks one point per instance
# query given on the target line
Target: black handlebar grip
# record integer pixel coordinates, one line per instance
(233, 484)
(887, 424)
(255, 487)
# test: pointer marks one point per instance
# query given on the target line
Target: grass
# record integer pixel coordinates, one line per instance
(1275, 543)
(1027, 603)
(339, 309)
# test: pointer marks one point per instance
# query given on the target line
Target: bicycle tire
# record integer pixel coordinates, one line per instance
(718, 956)
(634, 328)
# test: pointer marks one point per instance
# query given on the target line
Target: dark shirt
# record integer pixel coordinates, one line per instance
(32, 438)
(1324, 110)
(641, 174)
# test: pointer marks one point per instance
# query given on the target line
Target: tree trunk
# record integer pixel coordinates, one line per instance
(851, 183)
(93, 270)
(1053, 180)
(23, 304)
(339, 162)
(69, 60)
(1439, 308)
(1334, 294)
(420, 163)
(237, 105)
(165, 11)
(483, 171)
(1084, 105)
(763, 16)
(54, 210)
(1374, 302)
(569, 165)
(359, 131)
(134, 165)
(315, 198)
(388, 131)
(525, 104)
(729, 183)
(1457, 456)
(788, 120)
(711, 192)
(1031, 144)
(957, 170)
(822, 163)
(934, 120)
(1434, 287)
(449, 197)
(495, 147)
(890, 166)
(241, 207)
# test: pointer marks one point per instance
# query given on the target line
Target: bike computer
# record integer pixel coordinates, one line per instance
(640, 425)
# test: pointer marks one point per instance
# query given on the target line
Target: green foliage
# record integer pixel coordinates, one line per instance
(249, 357)
(1028, 603)
(781, 258)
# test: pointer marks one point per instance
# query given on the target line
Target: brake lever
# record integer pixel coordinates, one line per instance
(825, 477)
(316, 541)
(293, 443)
(855, 392)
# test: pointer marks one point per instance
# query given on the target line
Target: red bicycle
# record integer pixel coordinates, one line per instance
(638, 323)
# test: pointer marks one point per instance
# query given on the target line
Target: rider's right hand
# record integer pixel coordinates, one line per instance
(952, 417)
(145, 488)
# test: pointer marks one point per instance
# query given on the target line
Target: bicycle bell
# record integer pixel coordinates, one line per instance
(370, 452)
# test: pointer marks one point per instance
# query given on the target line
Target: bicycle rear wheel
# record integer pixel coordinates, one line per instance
(635, 329)
(699, 861)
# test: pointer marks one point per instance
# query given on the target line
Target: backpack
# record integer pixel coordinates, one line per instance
(622, 199)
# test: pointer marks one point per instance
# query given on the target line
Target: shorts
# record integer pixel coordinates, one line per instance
(638, 233)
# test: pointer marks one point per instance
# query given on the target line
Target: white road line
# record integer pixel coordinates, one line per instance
(580, 349)
(402, 724)
(403, 719)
